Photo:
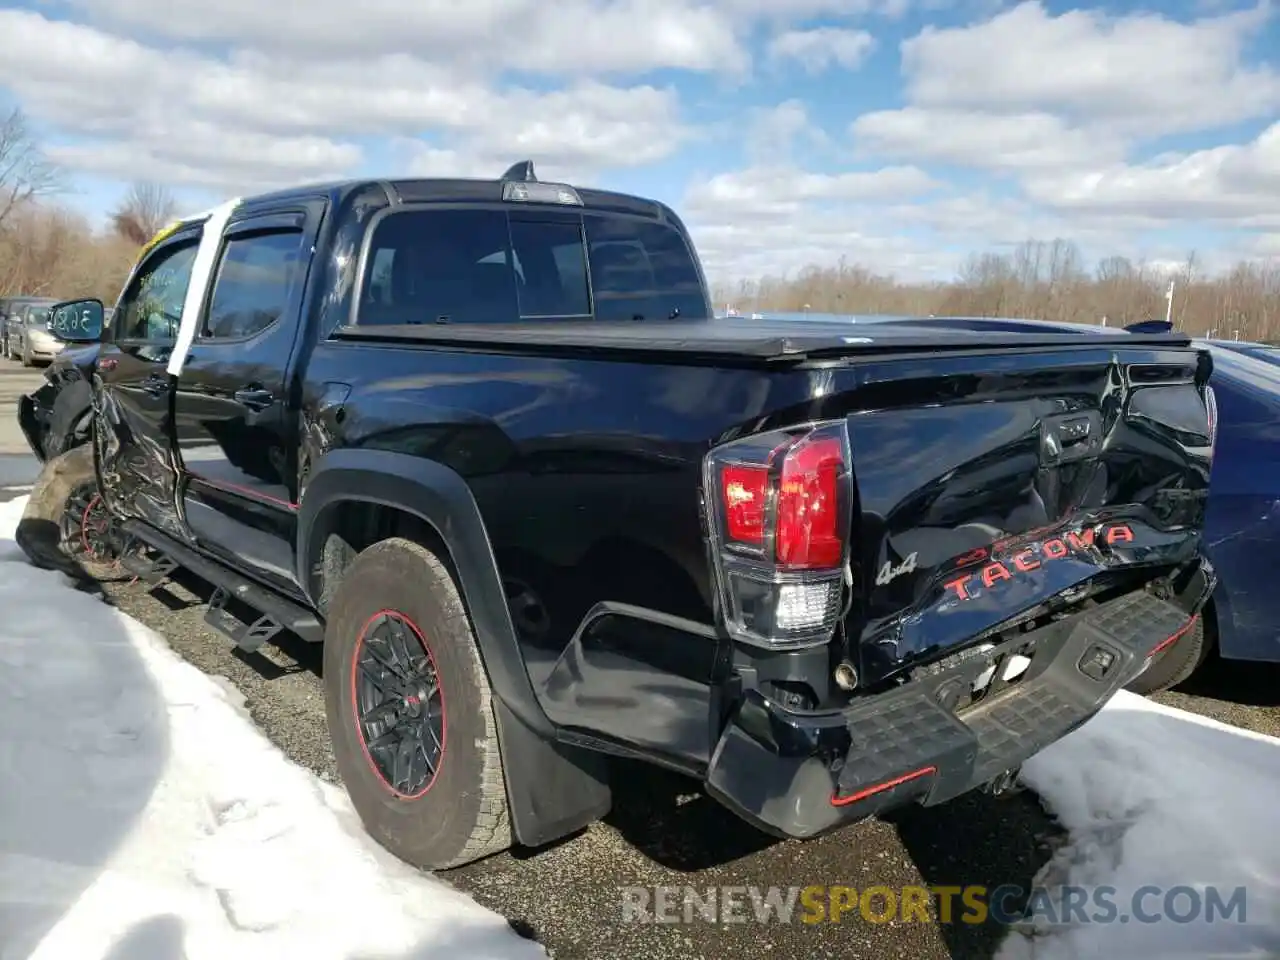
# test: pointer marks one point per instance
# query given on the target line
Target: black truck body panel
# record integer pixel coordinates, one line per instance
(561, 466)
(55, 409)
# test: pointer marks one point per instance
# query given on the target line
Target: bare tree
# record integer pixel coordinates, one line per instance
(144, 210)
(25, 172)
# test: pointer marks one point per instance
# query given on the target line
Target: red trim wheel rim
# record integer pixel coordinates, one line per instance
(398, 704)
(94, 523)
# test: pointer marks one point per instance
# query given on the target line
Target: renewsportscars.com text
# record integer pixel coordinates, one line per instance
(1009, 904)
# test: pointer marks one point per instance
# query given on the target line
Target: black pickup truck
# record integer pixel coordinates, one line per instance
(487, 442)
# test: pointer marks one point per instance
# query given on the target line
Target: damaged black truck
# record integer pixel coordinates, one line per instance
(487, 442)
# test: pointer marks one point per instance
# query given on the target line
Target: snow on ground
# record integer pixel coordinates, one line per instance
(1156, 797)
(144, 817)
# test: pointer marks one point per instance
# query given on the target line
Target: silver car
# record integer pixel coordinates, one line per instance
(34, 341)
(11, 310)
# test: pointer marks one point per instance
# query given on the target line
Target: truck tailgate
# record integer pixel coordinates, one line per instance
(982, 494)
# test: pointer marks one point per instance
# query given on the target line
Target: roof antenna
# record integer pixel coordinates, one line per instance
(521, 171)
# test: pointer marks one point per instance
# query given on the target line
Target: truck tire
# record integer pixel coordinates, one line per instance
(40, 532)
(397, 621)
(1177, 663)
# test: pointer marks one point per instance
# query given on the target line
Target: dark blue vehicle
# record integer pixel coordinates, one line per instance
(1242, 522)
(1267, 352)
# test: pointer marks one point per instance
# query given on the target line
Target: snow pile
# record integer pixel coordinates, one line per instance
(1154, 799)
(144, 817)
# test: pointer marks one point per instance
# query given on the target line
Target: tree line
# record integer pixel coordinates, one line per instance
(1042, 280)
(47, 249)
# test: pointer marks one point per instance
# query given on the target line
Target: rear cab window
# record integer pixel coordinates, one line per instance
(483, 265)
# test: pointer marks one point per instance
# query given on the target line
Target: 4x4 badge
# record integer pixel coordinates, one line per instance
(890, 572)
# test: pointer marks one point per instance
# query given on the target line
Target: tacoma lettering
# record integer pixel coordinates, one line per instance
(1033, 556)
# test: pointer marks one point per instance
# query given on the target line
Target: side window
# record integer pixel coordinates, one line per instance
(253, 283)
(439, 266)
(151, 309)
(641, 271)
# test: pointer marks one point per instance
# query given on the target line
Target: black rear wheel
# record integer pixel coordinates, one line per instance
(399, 704)
(409, 710)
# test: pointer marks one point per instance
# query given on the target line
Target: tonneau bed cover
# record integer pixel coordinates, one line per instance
(759, 340)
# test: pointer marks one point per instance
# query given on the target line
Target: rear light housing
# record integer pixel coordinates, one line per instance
(779, 513)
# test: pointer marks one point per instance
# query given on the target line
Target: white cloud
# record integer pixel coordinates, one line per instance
(773, 193)
(568, 37)
(1267, 245)
(736, 250)
(1235, 182)
(777, 218)
(200, 154)
(1066, 105)
(823, 48)
(573, 135)
(787, 11)
(1029, 91)
(1140, 73)
(774, 133)
(1016, 141)
(257, 120)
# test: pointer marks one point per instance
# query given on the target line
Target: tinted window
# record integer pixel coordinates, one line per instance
(440, 266)
(37, 316)
(253, 284)
(641, 271)
(479, 266)
(551, 268)
(151, 308)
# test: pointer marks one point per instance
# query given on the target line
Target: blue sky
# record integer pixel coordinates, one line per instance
(901, 134)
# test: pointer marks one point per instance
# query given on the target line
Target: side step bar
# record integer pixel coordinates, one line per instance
(275, 613)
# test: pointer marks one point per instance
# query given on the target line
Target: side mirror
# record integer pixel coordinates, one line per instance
(77, 321)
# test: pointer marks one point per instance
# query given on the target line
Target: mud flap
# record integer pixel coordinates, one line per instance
(39, 532)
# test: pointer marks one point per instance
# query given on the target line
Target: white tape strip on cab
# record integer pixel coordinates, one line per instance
(201, 276)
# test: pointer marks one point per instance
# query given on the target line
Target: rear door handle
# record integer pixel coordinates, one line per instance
(255, 398)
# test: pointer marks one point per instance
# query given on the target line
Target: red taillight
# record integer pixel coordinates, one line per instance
(779, 515)
(808, 535)
(744, 490)
(806, 526)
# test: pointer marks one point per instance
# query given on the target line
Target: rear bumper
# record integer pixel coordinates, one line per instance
(803, 774)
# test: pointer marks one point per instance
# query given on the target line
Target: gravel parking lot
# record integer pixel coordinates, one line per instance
(661, 830)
